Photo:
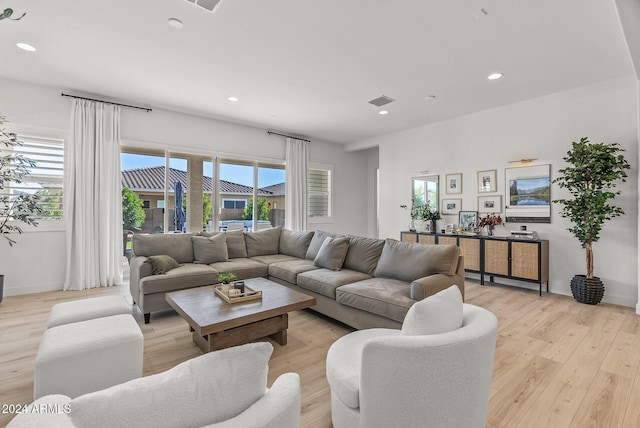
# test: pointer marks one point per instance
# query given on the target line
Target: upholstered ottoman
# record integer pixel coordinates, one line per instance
(88, 309)
(81, 357)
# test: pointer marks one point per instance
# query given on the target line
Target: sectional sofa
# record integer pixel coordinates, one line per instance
(362, 282)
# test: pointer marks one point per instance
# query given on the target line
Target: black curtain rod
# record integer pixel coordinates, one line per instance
(290, 136)
(107, 102)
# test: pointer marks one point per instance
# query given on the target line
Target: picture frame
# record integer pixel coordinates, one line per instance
(453, 183)
(467, 220)
(487, 181)
(451, 206)
(490, 204)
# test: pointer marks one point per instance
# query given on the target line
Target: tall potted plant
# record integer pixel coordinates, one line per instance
(591, 177)
(21, 207)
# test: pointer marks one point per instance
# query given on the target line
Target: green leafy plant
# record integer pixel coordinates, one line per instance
(430, 215)
(263, 210)
(133, 214)
(226, 278)
(14, 206)
(591, 177)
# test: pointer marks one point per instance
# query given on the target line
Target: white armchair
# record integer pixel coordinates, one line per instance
(221, 389)
(384, 377)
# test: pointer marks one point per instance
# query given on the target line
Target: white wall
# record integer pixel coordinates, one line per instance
(541, 128)
(36, 262)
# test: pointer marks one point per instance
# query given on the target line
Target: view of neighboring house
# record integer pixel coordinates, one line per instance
(148, 184)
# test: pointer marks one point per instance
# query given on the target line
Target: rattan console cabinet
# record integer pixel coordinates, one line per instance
(516, 259)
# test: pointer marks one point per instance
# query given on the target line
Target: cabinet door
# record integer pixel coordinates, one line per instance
(427, 239)
(470, 249)
(447, 240)
(409, 237)
(496, 257)
(524, 260)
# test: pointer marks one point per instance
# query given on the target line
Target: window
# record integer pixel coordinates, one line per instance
(46, 178)
(319, 194)
(234, 204)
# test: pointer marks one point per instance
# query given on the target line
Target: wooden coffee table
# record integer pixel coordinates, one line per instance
(217, 324)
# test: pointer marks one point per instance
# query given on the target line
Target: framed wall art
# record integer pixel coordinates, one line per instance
(453, 183)
(467, 219)
(487, 181)
(451, 206)
(490, 204)
(528, 194)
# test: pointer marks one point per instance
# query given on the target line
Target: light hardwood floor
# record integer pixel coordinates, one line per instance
(558, 363)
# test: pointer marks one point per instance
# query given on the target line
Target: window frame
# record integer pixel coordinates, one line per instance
(330, 217)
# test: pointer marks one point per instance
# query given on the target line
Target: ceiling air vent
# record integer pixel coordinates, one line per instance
(381, 100)
(207, 4)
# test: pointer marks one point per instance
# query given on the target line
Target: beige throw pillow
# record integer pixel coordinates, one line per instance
(236, 246)
(210, 250)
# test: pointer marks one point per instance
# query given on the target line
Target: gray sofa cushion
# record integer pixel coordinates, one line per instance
(381, 296)
(363, 254)
(243, 268)
(176, 245)
(273, 258)
(332, 253)
(236, 246)
(188, 275)
(316, 242)
(263, 242)
(325, 281)
(210, 250)
(288, 271)
(296, 244)
(408, 262)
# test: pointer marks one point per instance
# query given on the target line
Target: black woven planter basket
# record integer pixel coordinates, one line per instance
(589, 291)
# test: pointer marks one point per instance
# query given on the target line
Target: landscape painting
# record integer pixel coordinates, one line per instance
(530, 191)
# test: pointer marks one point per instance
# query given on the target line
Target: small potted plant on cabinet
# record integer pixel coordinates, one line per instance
(432, 216)
(591, 177)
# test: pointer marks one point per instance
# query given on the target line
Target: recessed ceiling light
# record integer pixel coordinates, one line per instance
(383, 112)
(175, 23)
(430, 97)
(26, 47)
(494, 76)
(233, 99)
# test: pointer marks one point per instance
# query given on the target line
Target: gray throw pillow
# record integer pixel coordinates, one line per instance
(332, 253)
(316, 242)
(263, 243)
(161, 264)
(210, 250)
(408, 262)
(236, 246)
(294, 243)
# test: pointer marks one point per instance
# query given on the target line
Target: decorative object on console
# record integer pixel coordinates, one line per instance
(431, 217)
(593, 171)
(453, 183)
(490, 221)
(487, 181)
(528, 194)
(490, 204)
(467, 220)
(451, 206)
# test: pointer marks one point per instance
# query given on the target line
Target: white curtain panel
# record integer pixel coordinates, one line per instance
(297, 162)
(93, 197)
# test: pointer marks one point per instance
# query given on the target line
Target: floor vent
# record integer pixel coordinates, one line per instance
(381, 100)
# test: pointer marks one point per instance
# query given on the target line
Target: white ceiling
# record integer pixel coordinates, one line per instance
(310, 66)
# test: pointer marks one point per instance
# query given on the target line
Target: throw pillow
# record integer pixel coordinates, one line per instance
(204, 390)
(161, 264)
(235, 244)
(439, 313)
(263, 243)
(316, 242)
(210, 250)
(332, 253)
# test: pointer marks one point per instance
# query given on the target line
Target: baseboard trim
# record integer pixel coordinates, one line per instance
(30, 289)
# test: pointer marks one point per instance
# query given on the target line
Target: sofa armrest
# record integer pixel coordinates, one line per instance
(138, 269)
(48, 411)
(279, 407)
(429, 285)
